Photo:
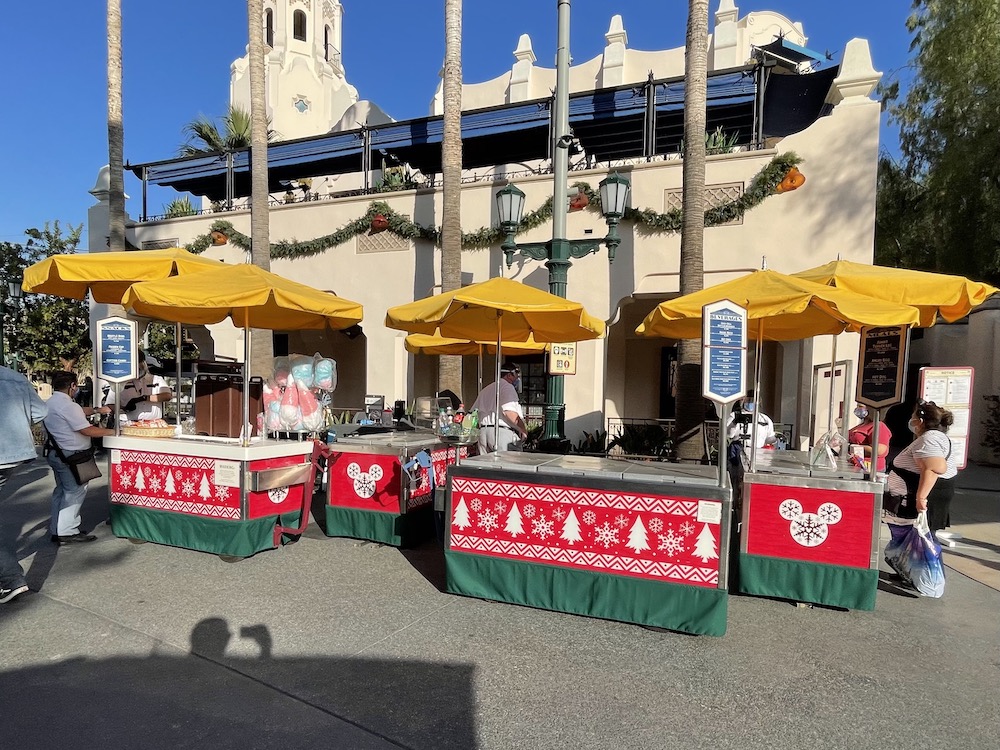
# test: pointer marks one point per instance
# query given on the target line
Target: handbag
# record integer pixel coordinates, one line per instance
(916, 556)
(82, 464)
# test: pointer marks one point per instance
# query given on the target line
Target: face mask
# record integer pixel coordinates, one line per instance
(749, 406)
(143, 371)
(861, 413)
(913, 424)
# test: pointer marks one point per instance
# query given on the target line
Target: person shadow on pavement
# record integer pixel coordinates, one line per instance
(210, 697)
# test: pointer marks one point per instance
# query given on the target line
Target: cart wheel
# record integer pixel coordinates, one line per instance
(230, 558)
(137, 541)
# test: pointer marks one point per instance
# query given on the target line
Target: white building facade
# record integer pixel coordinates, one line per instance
(623, 375)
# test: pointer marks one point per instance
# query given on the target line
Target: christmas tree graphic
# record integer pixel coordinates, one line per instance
(705, 546)
(514, 526)
(205, 490)
(461, 515)
(168, 487)
(571, 528)
(637, 538)
(140, 480)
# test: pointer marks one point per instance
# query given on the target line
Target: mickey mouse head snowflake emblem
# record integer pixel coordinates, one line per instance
(364, 482)
(809, 529)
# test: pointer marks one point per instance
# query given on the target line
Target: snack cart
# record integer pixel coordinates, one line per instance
(623, 540)
(229, 496)
(381, 487)
(809, 534)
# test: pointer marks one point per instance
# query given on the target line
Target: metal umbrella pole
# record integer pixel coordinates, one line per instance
(177, 357)
(245, 431)
(756, 393)
(496, 388)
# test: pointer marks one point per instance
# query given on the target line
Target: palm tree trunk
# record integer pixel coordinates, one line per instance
(116, 131)
(450, 368)
(262, 347)
(690, 411)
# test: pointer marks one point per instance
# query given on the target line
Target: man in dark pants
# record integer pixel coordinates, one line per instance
(20, 407)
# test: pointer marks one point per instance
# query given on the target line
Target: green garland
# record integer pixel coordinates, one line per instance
(646, 221)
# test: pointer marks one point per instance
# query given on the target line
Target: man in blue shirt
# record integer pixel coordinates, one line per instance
(20, 407)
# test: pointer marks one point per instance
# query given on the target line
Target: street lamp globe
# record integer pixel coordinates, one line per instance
(14, 288)
(615, 190)
(510, 208)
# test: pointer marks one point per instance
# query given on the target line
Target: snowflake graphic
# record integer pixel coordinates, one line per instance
(529, 511)
(559, 513)
(476, 504)
(127, 479)
(500, 508)
(542, 527)
(589, 517)
(187, 487)
(656, 525)
(118, 468)
(221, 493)
(155, 484)
(671, 543)
(808, 530)
(606, 534)
(621, 521)
(488, 520)
(687, 528)
(789, 509)
(829, 513)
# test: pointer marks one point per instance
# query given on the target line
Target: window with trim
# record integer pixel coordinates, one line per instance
(299, 25)
(269, 27)
(326, 43)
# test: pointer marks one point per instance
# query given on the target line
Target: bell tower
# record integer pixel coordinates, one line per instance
(306, 86)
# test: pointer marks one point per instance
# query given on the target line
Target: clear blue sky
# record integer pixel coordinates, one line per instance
(53, 128)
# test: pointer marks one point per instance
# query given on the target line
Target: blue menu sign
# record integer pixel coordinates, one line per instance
(116, 350)
(724, 351)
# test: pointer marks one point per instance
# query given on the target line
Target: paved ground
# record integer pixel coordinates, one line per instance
(339, 644)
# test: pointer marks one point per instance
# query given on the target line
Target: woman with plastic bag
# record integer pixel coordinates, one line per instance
(919, 491)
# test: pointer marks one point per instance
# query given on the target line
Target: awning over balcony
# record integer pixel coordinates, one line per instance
(620, 123)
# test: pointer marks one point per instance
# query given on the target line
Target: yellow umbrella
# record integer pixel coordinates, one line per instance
(249, 295)
(951, 297)
(501, 308)
(107, 275)
(779, 308)
(420, 343)
(478, 312)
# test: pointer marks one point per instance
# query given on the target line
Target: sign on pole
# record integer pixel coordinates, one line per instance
(884, 352)
(562, 359)
(724, 351)
(951, 389)
(117, 358)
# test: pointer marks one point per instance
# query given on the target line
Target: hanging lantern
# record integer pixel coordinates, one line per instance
(219, 238)
(379, 223)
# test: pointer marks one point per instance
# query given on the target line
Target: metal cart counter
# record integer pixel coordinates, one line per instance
(630, 541)
(209, 494)
(809, 534)
(371, 496)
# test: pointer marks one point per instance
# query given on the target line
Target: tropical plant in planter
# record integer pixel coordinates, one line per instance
(179, 207)
(642, 440)
(592, 444)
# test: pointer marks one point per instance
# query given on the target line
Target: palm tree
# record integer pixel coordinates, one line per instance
(116, 132)
(450, 368)
(262, 345)
(690, 409)
(204, 135)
